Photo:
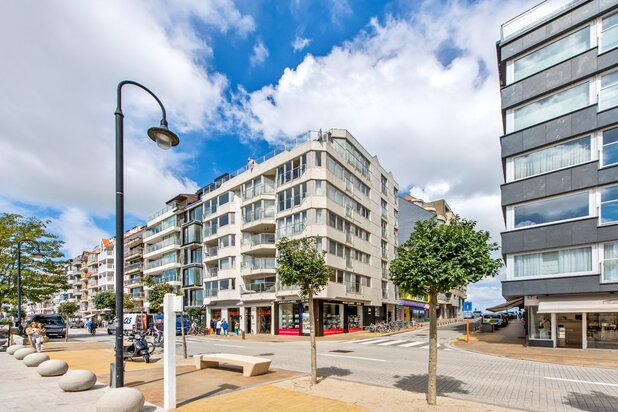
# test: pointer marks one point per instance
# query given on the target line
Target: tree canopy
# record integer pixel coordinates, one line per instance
(439, 257)
(107, 300)
(300, 264)
(68, 309)
(40, 278)
(157, 292)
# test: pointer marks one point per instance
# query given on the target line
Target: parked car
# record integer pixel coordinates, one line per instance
(54, 325)
(492, 318)
(111, 327)
(76, 323)
(468, 315)
(477, 313)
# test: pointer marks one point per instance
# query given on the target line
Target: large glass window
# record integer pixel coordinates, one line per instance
(608, 96)
(552, 210)
(609, 204)
(610, 147)
(602, 330)
(551, 54)
(553, 263)
(553, 158)
(333, 318)
(539, 324)
(549, 107)
(610, 263)
(609, 34)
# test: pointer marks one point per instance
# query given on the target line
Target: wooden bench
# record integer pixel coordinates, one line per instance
(251, 365)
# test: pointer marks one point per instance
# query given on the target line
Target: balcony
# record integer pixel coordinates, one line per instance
(385, 273)
(167, 277)
(211, 293)
(384, 253)
(259, 190)
(136, 295)
(160, 265)
(385, 294)
(536, 15)
(211, 253)
(286, 290)
(160, 212)
(352, 288)
(134, 267)
(131, 253)
(212, 272)
(291, 175)
(259, 243)
(258, 291)
(259, 265)
(259, 219)
(133, 280)
(290, 230)
(162, 247)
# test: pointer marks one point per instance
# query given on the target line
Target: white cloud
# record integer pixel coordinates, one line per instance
(260, 53)
(300, 43)
(78, 230)
(338, 9)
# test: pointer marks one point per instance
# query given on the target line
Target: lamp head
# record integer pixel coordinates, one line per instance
(162, 136)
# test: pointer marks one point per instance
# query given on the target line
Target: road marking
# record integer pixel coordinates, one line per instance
(371, 342)
(408, 345)
(358, 341)
(393, 342)
(578, 381)
(427, 346)
(227, 346)
(352, 357)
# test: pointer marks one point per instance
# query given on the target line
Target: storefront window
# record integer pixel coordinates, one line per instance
(215, 314)
(603, 330)
(234, 319)
(354, 318)
(264, 319)
(333, 322)
(289, 319)
(539, 324)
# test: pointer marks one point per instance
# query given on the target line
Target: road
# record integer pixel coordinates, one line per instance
(401, 361)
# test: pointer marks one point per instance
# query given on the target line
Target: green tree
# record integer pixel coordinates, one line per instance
(40, 278)
(437, 258)
(194, 312)
(107, 300)
(157, 292)
(300, 264)
(67, 310)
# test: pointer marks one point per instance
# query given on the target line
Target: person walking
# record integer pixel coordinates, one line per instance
(212, 326)
(236, 327)
(158, 328)
(218, 327)
(225, 327)
(36, 332)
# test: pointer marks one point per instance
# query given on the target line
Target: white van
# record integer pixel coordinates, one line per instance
(134, 322)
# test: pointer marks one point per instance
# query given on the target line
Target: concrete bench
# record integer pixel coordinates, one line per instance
(251, 365)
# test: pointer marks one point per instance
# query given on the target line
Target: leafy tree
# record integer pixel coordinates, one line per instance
(40, 278)
(194, 312)
(437, 258)
(157, 292)
(67, 310)
(107, 300)
(300, 264)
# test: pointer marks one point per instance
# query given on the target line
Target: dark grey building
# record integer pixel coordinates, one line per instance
(559, 89)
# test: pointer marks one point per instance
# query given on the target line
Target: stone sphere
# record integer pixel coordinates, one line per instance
(77, 380)
(121, 400)
(22, 353)
(35, 359)
(54, 367)
(11, 349)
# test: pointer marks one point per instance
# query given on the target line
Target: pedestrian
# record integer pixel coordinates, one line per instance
(193, 328)
(218, 327)
(158, 328)
(224, 326)
(236, 327)
(36, 332)
(250, 163)
(212, 327)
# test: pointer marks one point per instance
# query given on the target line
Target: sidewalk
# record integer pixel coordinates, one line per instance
(217, 389)
(510, 342)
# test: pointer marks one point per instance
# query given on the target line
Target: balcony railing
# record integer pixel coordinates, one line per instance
(281, 288)
(212, 272)
(290, 230)
(132, 280)
(136, 295)
(160, 228)
(211, 292)
(167, 277)
(291, 175)
(265, 287)
(259, 239)
(160, 212)
(385, 273)
(161, 245)
(384, 253)
(537, 14)
(211, 251)
(159, 262)
(257, 190)
(353, 288)
(258, 215)
(259, 264)
(132, 266)
(385, 294)
(129, 253)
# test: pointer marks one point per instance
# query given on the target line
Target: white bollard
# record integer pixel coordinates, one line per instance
(171, 305)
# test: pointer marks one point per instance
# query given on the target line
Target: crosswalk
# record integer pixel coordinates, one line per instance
(401, 343)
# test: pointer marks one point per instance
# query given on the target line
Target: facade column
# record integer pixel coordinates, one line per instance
(554, 329)
(584, 330)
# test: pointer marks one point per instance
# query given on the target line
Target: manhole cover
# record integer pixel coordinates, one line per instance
(341, 351)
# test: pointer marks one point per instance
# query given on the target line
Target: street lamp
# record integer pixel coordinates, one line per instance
(164, 139)
(37, 255)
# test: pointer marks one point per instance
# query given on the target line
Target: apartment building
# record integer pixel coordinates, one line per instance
(133, 267)
(559, 88)
(450, 305)
(219, 244)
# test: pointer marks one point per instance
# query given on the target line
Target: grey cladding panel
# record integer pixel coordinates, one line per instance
(608, 175)
(546, 237)
(608, 233)
(556, 286)
(558, 182)
(608, 59)
(512, 143)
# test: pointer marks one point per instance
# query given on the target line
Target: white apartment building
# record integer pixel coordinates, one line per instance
(133, 267)
(219, 244)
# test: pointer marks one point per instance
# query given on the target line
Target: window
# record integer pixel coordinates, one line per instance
(552, 210)
(608, 96)
(227, 263)
(318, 216)
(192, 276)
(609, 33)
(224, 198)
(610, 147)
(539, 323)
(549, 107)
(225, 241)
(609, 204)
(554, 158)
(549, 55)
(291, 170)
(292, 197)
(553, 263)
(610, 262)
(318, 159)
(318, 188)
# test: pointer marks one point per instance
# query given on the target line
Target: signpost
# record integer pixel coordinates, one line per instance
(467, 307)
(171, 305)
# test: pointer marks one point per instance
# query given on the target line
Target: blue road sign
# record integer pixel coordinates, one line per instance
(467, 306)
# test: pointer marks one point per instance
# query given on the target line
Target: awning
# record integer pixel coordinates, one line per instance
(579, 306)
(508, 305)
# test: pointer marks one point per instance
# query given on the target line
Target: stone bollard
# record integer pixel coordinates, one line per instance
(77, 380)
(35, 359)
(11, 349)
(121, 400)
(54, 367)
(22, 353)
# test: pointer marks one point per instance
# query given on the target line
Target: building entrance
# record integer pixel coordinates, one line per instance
(569, 330)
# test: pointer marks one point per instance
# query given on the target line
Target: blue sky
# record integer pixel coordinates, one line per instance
(239, 78)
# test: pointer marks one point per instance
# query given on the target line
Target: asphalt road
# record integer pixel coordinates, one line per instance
(401, 361)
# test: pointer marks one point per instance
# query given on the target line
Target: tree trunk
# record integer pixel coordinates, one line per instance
(314, 361)
(182, 331)
(433, 348)
(66, 334)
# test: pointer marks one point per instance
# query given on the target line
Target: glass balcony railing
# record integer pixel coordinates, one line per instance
(211, 251)
(259, 239)
(258, 215)
(258, 190)
(132, 266)
(161, 245)
(290, 230)
(211, 292)
(160, 262)
(160, 212)
(259, 264)
(262, 287)
(212, 272)
(353, 288)
(291, 175)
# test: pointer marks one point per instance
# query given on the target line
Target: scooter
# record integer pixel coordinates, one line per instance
(138, 348)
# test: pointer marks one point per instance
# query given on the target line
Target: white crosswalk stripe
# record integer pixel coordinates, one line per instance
(411, 344)
(393, 342)
(373, 341)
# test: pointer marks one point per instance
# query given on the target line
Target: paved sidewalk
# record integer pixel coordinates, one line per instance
(510, 342)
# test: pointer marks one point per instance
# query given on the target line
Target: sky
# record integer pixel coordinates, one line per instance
(414, 81)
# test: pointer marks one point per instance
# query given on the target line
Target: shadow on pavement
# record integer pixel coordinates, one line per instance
(332, 371)
(221, 388)
(418, 383)
(593, 402)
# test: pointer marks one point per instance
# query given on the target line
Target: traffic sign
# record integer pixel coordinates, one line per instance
(467, 306)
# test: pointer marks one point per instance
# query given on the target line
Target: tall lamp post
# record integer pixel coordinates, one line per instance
(164, 139)
(36, 255)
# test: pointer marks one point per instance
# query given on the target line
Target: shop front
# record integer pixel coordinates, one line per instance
(264, 319)
(332, 318)
(414, 311)
(290, 315)
(354, 318)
